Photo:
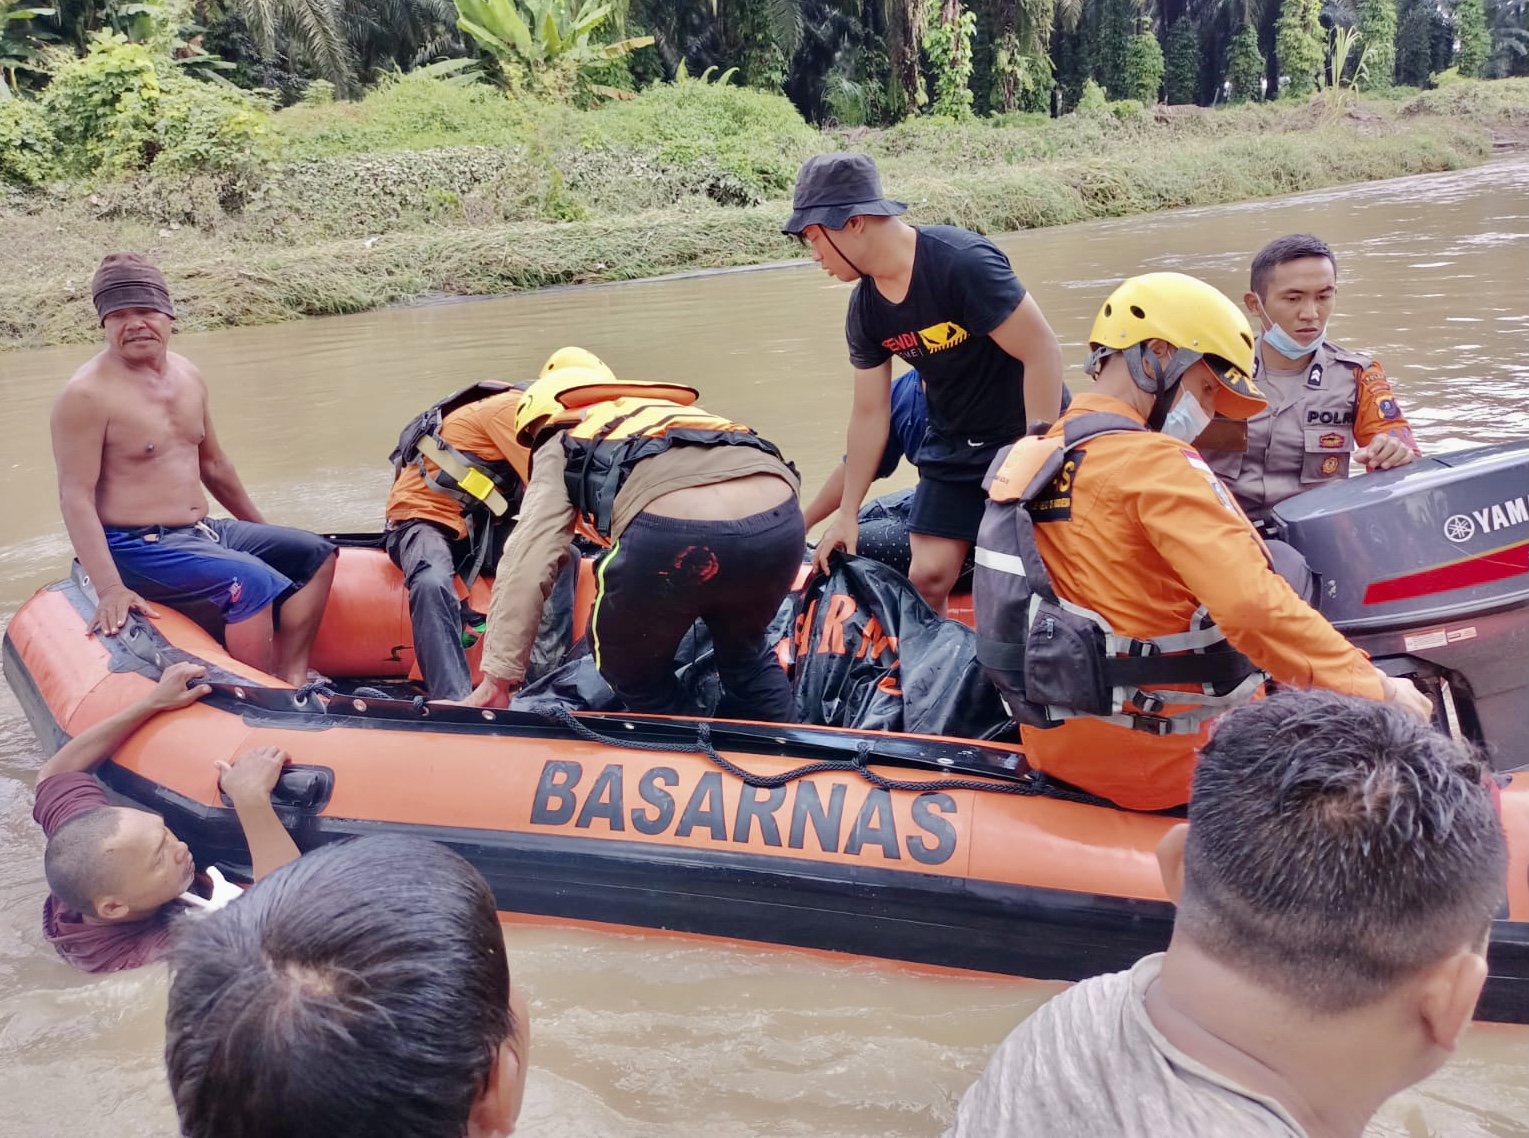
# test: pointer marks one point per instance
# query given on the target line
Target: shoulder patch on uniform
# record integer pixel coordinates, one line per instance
(1054, 503)
(1389, 409)
(1217, 486)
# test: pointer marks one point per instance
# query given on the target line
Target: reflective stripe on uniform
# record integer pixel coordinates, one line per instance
(1001, 562)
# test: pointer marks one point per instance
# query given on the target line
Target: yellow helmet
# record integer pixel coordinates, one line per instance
(1196, 319)
(576, 357)
(568, 386)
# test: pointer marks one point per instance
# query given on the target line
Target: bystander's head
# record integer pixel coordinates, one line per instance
(361, 990)
(1338, 849)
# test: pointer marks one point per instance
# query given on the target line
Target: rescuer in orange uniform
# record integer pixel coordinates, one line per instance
(1156, 571)
(443, 522)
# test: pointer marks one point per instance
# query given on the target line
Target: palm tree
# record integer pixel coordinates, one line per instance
(384, 34)
(311, 30)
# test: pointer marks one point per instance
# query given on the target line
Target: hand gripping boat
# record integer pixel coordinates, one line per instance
(924, 849)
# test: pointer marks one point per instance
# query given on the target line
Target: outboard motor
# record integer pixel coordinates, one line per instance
(1426, 568)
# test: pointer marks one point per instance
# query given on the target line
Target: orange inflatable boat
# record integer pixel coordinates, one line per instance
(915, 848)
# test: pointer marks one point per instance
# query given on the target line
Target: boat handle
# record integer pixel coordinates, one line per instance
(300, 788)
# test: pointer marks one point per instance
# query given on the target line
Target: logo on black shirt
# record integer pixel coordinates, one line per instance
(938, 337)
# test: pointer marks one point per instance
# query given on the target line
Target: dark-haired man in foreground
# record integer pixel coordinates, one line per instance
(116, 875)
(1335, 886)
(361, 990)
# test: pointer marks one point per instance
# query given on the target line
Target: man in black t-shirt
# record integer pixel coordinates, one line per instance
(946, 301)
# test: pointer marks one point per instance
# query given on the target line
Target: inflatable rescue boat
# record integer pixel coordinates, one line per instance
(928, 849)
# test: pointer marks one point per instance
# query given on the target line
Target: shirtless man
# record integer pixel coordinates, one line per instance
(134, 447)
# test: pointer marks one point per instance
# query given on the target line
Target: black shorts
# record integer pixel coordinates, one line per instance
(949, 500)
(947, 509)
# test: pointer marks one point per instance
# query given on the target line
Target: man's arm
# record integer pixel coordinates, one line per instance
(1212, 547)
(79, 438)
(217, 469)
(524, 579)
(1383, 434)
(825, 501)
(248, 782)
(869, 421)
(1027, 337)
(91, 747)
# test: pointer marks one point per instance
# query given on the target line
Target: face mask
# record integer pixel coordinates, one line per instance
(1187, 419)
(1286, 344)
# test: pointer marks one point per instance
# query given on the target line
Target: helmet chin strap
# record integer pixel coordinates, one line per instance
(1158, 379)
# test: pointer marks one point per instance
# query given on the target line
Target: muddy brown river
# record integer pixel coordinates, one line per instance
(639, 1034)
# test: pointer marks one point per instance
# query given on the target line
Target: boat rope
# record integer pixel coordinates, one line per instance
(857, 765)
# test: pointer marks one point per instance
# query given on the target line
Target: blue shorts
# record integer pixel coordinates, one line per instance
(218, 571)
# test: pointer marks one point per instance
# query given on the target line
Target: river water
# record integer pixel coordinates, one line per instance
(642, 1034)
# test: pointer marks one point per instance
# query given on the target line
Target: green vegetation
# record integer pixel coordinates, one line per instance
(427, 187)
(1377, 30)
(1475, 42)
(1298, 46)
(1181, 64)
(1143, 68)
(1245, 68)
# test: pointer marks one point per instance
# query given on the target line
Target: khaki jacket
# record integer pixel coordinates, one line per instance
(529, 566)
(1309, 432)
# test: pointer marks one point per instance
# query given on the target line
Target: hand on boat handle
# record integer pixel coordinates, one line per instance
(252, 776)
(179, 686)
(1406, 695)
(114, 604)
(842, 533)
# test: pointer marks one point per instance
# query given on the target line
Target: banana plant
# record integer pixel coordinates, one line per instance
(17, 52)
(541, 33)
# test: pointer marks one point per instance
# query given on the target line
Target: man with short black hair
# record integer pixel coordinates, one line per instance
(947, 302)
(1336, 885)
(361, 990)
(117, 877)
(1323, 399)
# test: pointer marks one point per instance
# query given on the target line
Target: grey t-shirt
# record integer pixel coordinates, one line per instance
(1090, 1063)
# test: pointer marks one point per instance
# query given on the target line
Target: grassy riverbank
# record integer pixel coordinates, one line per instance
(426, 189)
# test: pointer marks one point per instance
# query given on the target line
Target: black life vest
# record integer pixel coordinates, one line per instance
(616, 435)
(1053, 660)
(488, 491)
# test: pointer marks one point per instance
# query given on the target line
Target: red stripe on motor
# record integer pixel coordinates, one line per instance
(1484, 568)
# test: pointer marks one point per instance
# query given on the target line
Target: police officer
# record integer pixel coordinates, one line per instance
(700, 519)
(1327, 405)
(1122, 597)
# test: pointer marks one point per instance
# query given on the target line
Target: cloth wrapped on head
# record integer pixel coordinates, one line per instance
(128, 280)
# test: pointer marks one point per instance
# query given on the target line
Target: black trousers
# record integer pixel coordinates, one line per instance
(427, 554)
(665, 573)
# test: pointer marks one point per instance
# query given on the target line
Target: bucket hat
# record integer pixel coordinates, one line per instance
(832, 188)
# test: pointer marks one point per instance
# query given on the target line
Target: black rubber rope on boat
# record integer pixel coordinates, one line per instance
(857, 765)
